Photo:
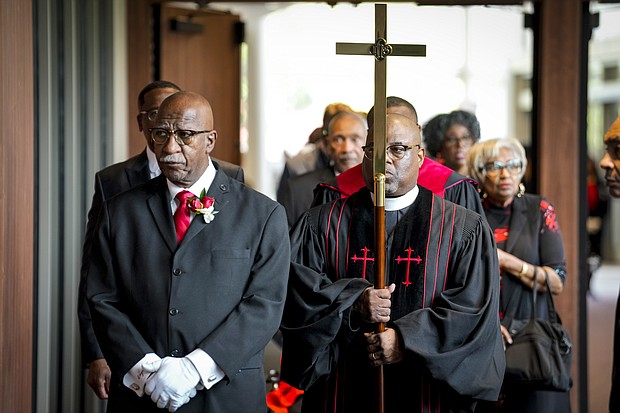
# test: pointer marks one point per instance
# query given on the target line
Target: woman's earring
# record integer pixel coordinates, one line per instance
(521, 190)
(483, 194)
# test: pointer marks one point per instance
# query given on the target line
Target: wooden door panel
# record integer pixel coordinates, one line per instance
(204, 56)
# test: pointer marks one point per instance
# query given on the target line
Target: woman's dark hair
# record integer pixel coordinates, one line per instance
(434, 131)
(432, 134)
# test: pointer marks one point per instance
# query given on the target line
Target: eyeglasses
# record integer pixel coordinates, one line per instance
(465, 141)
(494, 169)
(150, 114)
(393, 151)
(183, 137)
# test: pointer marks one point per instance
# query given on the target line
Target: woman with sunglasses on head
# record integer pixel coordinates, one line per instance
(528, 240)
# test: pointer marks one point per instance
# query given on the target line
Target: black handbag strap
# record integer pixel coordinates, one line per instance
(553, 315)
(511, 307)
(534, 293)
(516, 297)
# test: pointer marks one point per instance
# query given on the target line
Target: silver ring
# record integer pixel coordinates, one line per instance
(374, 356)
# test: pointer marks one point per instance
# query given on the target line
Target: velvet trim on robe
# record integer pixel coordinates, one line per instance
(445, 308)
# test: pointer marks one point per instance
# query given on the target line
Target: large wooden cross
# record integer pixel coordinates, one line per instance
(381, 49)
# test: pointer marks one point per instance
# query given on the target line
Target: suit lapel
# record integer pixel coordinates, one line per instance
(159, 204)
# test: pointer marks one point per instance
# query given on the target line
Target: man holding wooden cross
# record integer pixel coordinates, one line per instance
(393, 292)
(442, 346)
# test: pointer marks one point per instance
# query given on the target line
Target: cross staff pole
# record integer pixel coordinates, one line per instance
(380, 50)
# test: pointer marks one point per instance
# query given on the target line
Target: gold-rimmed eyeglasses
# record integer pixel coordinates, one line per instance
(182, 136)
(393, 151)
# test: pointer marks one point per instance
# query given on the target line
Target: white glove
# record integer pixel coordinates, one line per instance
(173, 384)
(138, 375)
(174, 405)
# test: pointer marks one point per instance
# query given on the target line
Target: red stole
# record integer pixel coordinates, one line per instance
(433, 176)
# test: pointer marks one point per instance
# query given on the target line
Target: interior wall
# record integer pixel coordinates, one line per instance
(561, 162)
(17, 198)
(206, 61)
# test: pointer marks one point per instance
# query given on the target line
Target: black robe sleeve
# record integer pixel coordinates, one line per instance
(458, 337)
(317, 309)
(465, 193)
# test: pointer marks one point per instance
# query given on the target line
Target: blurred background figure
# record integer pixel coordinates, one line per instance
(346, 133)
(529, 241)
(312, 156)
(597, 211)
(610, 163)
(449, 137)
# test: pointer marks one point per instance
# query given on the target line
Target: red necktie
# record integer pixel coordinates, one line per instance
(181, 215)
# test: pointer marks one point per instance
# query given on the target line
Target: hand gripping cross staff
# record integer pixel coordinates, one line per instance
(381, 49)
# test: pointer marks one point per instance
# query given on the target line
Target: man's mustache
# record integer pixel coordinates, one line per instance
(172, 159)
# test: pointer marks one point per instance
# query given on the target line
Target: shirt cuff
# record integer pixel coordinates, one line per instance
(136, 377)
(210, 372)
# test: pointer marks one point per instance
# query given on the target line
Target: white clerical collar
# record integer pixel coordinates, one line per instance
(204, 182)
(154, 170)
(400, 202)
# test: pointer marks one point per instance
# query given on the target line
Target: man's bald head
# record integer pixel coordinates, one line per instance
(188, 106)
(186, 114)
(395, 104)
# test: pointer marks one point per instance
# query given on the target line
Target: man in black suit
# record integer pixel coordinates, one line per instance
(109, 182)
(187, 321)
(346, 133)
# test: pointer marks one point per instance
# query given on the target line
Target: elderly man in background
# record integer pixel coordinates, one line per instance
(346, 133)
(312, 156)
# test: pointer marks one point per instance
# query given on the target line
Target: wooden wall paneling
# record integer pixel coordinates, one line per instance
(207, 62)
(140, 64)
(558, 145)
(17, 204)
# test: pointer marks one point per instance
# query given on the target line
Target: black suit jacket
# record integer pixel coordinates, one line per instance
(109, 182)
(222, 289)
(298, 192)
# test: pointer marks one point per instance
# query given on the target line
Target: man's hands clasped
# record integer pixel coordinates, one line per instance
(173, 382)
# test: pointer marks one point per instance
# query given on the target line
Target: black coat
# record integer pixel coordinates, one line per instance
(222, 289)
(109, 182)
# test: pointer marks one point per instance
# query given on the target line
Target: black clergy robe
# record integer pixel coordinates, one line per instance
(445, 308)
